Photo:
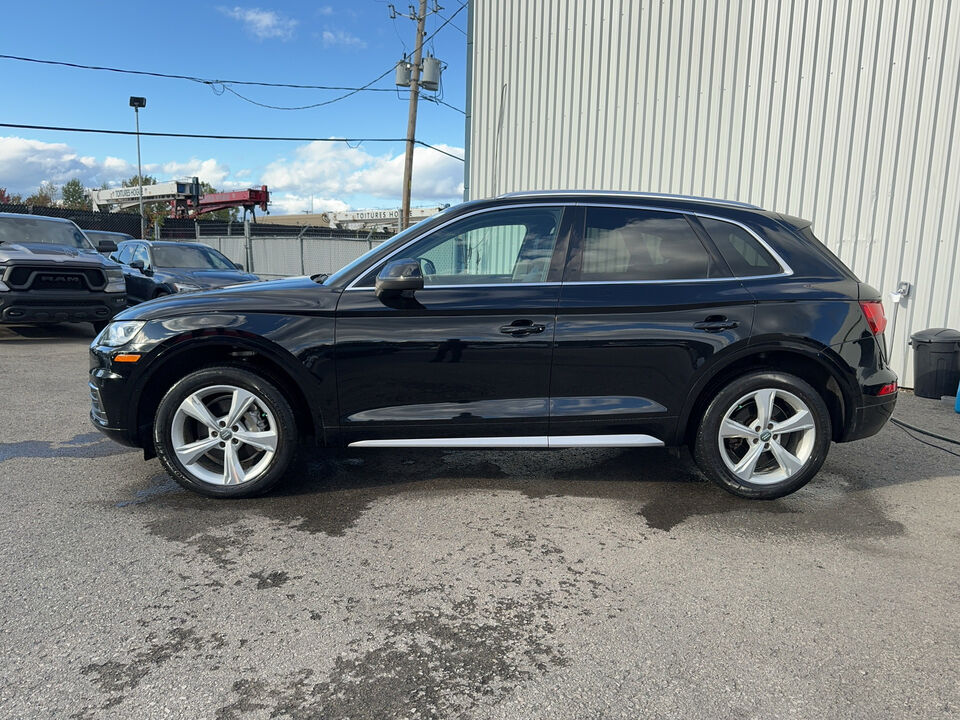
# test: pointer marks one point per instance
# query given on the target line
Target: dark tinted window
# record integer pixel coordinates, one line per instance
(745, 256)
(629, 244)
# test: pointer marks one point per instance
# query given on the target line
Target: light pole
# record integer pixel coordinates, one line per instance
(136, 103)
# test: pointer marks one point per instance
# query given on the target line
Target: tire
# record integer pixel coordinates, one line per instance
(763, 464)
(99, 325)
(245, 458)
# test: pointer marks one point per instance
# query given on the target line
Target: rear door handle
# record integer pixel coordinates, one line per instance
(522, 327)
(716, 323)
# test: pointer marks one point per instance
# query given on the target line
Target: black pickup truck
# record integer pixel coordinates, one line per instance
(51, 272)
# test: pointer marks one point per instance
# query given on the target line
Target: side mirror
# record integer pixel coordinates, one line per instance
(239, 266)
(398, 276)
(137, 264)
(106, 246)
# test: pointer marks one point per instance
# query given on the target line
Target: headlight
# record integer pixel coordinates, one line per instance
(119, 333)
(186, 287)
(3, 286)
(115, 281)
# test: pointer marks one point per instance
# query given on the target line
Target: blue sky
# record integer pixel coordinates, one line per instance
(326, 43)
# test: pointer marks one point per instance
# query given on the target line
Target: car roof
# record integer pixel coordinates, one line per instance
(629, 194)
(109, 232)
(36, 217)
(161, 243)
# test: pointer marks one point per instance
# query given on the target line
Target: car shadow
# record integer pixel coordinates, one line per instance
(47, 333)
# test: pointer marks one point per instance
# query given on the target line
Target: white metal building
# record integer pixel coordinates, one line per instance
(843, 113)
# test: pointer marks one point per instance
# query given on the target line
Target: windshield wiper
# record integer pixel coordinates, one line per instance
(319, 277)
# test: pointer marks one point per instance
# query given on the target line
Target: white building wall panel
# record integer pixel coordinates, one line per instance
(843, 113)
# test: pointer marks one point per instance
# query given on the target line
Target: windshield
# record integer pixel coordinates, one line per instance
(190, 256)
(346, 270)
(35, 230)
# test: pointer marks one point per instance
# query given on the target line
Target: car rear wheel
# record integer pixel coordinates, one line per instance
(764, 436)
(225, 432)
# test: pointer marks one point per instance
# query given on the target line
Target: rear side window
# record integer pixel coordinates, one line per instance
(745, 256)
(627, 244)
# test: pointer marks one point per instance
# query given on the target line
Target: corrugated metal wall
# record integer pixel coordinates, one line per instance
(841, 112)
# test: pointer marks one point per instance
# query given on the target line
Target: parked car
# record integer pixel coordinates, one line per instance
(107, 237)
(536, 320)
(51, 272)
(154, 268)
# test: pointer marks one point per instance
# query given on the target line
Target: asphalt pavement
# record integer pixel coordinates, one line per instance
(447, 584)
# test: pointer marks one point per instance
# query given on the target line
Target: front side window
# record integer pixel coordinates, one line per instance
(123, 254)
(626, 244)
(140, 253)
(503, 246)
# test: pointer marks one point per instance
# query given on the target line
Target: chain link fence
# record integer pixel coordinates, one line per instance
(128, 223)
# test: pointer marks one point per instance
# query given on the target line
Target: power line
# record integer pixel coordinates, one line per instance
(192, 78)
(201, 136)
(221, 86)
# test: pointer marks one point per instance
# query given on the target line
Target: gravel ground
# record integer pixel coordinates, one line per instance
(495, 584)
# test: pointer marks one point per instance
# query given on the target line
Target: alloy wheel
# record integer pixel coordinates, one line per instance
(767, 436)
(224, 435)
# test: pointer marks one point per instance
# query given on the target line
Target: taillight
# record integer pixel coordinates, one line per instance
(876, 318)
(888, 389)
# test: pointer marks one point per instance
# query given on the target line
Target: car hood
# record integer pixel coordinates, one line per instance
(204, 278)
(298, 295)
(44, 252)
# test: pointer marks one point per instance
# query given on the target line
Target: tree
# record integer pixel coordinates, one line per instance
(7, 198)
(74, 195)
(45, 196)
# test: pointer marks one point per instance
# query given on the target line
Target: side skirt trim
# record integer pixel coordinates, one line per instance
(536, 441)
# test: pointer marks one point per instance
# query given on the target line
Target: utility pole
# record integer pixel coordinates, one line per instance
(412, 115)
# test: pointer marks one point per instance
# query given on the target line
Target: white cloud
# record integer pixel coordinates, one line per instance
(24, 164)
(335, 170)
(209, 170)
(341, 38)
(262, 24)
(295, 204)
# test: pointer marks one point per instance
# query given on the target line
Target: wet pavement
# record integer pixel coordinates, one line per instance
(442, 584)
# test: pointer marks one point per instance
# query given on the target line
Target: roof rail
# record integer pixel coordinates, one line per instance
(635, 194)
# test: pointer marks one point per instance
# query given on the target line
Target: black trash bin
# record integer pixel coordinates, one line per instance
(936, 362)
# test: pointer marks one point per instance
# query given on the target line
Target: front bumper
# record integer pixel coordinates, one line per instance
(31, 306)
(109, 403)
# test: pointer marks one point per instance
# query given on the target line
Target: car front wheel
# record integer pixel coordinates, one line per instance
(225, 432)
(764, 435)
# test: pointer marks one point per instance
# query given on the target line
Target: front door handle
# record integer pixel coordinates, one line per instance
(522, 327)
(716, 323)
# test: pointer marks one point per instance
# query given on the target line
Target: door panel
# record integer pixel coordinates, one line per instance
(627, 351)
(466, 355)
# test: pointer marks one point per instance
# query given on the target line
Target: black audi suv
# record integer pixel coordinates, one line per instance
(532, 320)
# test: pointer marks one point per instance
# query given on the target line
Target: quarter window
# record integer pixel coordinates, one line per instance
(745, 256)
(623, 244)
(505, 246)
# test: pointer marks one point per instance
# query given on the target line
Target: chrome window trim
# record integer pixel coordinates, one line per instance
(786, 270)
(562, 205)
